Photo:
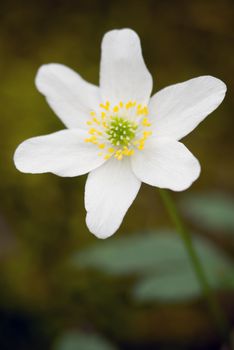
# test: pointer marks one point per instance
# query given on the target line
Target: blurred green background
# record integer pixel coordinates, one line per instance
(60, 287)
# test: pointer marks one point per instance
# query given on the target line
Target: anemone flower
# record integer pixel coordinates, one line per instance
(118, 133)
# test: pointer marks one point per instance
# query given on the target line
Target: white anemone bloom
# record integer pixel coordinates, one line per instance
(118, 133)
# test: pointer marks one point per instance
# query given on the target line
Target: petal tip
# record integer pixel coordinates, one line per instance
(46, 72)
(120, 33)
(97, 231)
(196, 175)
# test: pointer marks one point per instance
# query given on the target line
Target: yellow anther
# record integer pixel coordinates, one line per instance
(104, 125)
(95, 120)
(139, 111)
(145, 122)
(105, 106)
(125, 151)
(103, 115)
(101, 145)
(121, 104)
(116, 109)
(139, 106)
(141, 146)
(93, 139)
(100, 154)
(107, 156)
(119, 156)
(92, 113)
(145, 111)
(89, 122)
(93, 131)
(111, 150)
(128, 105)
(146, 134)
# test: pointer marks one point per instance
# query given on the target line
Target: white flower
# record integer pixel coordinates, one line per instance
(116, 132)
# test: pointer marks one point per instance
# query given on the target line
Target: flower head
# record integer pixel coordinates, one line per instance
(116, 132)
(120, 129)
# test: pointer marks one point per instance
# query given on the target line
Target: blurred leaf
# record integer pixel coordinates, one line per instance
(215, 262)
(181, 285)
(228, 279)
(82, 341)
(150, 251)
(214, 211)
(133, 254)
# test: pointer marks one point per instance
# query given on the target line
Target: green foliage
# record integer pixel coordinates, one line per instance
(82, 341)
(132, 254)
(228, 279)
(159, 258)
(175, 286)
(212, 211)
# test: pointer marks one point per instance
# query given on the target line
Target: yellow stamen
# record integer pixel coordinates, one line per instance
(128, 105)
(105, 106)
(145, 111)
(91, 139)
(93, 131)
(145, 122)
(95, 120)
(141, 146)
(119, 156)
(146, 134)
(100, 125)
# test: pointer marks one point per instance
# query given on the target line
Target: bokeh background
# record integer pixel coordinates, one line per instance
(60, 287)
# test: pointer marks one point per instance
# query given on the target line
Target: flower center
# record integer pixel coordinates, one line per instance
(120, 130)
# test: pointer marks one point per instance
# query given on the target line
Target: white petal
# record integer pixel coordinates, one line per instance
(63, 153)
(124, 75)
(71, 97)
(109, 192)
(176, 110)
(166, 163)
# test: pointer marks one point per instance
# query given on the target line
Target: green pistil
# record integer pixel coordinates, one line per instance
(121, 131)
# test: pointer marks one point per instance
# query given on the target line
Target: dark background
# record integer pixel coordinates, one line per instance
(42, 217)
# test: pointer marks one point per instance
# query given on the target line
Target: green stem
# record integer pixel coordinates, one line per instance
(215, 309)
